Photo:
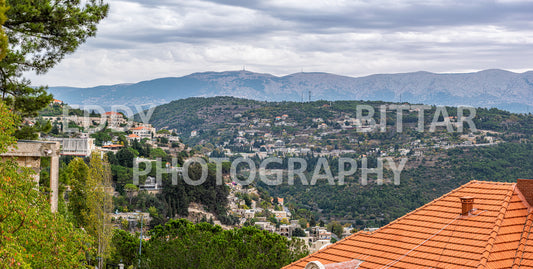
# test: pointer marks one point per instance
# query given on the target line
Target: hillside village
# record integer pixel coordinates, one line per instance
(333, 137)
(253, 133)
(257, 133)
(332, 153)
(245, 202)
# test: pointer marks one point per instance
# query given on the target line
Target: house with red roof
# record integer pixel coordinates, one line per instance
(115, 120)
(478, 225)
(113, 114)
(132, 137)
(143, 131)
(112, 147)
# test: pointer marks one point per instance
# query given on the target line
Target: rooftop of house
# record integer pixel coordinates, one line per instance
(113, 146)
(478, 225)
(112, 113)
(140, 128)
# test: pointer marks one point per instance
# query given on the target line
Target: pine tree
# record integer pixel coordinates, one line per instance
(40, 34)
(3, 37)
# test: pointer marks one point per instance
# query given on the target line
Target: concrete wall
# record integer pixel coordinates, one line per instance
(29, 153)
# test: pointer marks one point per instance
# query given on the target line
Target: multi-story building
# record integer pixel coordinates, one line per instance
(75, 146)
(143, 132)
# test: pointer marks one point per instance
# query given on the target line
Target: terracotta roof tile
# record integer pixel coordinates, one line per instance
(495, 234)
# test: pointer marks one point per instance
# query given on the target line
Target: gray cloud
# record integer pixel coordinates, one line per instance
(147, 39)
(391, 15)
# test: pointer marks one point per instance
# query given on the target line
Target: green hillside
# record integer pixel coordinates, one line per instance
(499, 149)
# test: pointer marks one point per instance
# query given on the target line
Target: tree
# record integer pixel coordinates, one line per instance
(125, 247)
(156, 218)
(101, 137)
(78, 172)
(303, 223)
(90, 201)
(100, 205)
(123, 140)
(123, 175)
(111, 158)
(131, 189)
(163, 140)
(181, 244)
(40, 34)
(3, 37)
(249, 222)
(299, 232)
(163, 131)
(126, 156)
(336, 228)
(157, 153)
(31, 236)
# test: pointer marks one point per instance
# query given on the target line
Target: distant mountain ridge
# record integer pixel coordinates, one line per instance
(488, 88)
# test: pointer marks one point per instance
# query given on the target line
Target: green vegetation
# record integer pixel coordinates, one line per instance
(90, 202)
(215, 119)
(444, 160)
(175, 198)
(196, 113)
(182, 244)
(99, 205)
(39, 35)
(31, 236)
(376, 205)
(35, 37)
(3, 37)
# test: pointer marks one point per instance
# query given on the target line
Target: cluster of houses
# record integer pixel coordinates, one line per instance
(316, 237)
(81, 144)
(254, 136)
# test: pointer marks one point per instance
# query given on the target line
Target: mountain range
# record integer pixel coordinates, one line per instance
(489, 88)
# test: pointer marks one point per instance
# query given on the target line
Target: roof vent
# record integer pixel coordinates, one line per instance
(314, 265)
(526, 188)
(467, 204)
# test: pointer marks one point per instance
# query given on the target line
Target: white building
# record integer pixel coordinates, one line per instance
(76, 146)
(143, 132)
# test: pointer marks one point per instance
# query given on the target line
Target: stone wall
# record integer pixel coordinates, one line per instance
(29, 153)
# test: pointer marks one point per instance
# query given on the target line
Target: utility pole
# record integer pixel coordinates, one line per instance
(141, 241)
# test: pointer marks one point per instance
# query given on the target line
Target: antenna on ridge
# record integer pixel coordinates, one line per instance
(309, 96)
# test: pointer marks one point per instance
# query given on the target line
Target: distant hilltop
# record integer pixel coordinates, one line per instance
(489, 88)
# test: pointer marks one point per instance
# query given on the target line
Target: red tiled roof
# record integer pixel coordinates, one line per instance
(139, 128)
(113, 146)
(133, 136)
(495, 234)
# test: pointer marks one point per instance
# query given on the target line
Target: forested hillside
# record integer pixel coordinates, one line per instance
(498, 149)
(376, 205)
(193, 113)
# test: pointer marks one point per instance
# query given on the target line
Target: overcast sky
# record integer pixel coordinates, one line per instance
(147, 39)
